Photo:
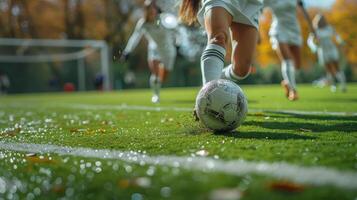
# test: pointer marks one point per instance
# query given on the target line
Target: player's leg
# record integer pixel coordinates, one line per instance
(163, 73)
(296, 54)
(242, 56)
(287, 70)
(217, 23)
(340, 76)
(155, 82)
(332, 75)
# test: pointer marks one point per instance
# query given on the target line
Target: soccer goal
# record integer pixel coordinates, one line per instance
(29, 51)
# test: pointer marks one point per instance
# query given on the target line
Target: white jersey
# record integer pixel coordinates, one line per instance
(161, 41)
(285, 26)
(326, 48)
(242, 11)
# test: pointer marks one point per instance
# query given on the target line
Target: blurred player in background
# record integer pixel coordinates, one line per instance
(161, 46)
(327, 51)
(286, 40)
(225, 21)
(4, 83)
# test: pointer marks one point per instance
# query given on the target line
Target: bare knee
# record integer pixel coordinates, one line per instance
(219, 38)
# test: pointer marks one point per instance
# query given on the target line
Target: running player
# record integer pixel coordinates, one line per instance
(285, 38)
(327, 51)
(161, 46)
(225, 20)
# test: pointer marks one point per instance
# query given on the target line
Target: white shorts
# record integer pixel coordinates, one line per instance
(166, 55)
(326, 56)
(291, 39)
(242, 11)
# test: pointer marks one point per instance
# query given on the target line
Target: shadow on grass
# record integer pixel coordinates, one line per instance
(338, 100)
(265, 135)
(348, 127)
(312, 117)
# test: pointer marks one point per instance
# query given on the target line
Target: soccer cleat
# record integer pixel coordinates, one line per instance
(333, 88)
(155, 98)
(285, 86)
(293, 95)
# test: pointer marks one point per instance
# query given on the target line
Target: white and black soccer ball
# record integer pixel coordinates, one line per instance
(221, 105)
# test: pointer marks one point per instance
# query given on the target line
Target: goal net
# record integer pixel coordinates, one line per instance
(85, 61)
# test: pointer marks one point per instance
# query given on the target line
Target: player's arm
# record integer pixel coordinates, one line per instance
(338, 38)
(311, 42)
(307, 16)
(133, 40)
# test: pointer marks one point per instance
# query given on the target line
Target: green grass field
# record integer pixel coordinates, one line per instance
(324, 135)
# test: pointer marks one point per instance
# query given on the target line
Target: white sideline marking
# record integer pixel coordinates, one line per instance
(125, 107)
(183, 109)
(306, 175)
(179, 109)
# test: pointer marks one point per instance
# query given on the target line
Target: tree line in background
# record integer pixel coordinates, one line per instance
(114, 20)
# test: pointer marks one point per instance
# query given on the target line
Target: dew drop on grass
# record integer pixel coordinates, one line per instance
(69, 192)
(128, 169)
(30, 196)
(150, 171)
(143, 182)
(202, 153)
(115, 167)
(136, 196)
(88, 164)
(37, 191)
(2, 186)
(98, 163)
(165, 192)
(71, 178)
(98, 169)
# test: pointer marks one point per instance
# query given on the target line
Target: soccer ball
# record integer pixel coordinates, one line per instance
(221, 105)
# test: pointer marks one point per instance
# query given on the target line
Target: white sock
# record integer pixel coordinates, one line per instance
(288, 72)
(228, 73)
(292, 76)
(330, 78)
(212, 62)
(340, 76)
(155, 84)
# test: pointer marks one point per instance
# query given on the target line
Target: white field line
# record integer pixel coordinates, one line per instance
(183, 109)
(318, 176)
(176, 109)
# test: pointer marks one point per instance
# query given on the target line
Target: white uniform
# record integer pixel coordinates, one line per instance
(161, 42)
(242, 11)
(285, 27)
(326, 49)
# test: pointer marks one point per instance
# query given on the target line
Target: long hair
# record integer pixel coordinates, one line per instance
(188, 11)
(320, 21)
(147, 5)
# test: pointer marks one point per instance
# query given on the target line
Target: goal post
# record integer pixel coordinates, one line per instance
(86, 47)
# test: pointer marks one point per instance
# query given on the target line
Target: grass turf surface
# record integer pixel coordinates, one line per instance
(306, 140)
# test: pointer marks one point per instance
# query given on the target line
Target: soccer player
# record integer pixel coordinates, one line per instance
(285, 38)
(327, 51)
(161, 46)
(4, 83)
(225, 20)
